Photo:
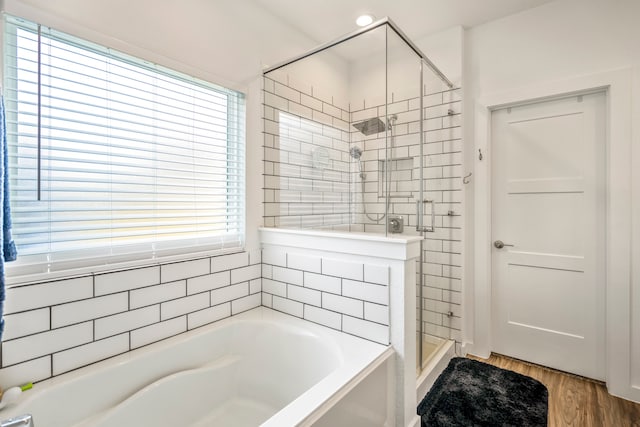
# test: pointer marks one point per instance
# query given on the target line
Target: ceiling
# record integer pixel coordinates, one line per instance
(325, 20)
(231, 41)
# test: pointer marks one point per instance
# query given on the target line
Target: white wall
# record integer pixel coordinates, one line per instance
(560, 41)
(445, 50)
(557, 40)
(226, 42)
(254, 165)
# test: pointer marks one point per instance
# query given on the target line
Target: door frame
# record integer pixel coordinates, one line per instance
(618, 88)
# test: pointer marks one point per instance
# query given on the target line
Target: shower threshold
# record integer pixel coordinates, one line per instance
(430, 346)
(438, 353)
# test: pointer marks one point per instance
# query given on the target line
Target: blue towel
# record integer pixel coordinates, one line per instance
(8, 247)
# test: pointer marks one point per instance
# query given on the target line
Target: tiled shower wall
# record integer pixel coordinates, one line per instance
(442, 292)
(58, 326)
(442, 161)
(306, 160)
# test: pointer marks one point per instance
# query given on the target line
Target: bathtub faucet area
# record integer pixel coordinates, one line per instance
(20, 421)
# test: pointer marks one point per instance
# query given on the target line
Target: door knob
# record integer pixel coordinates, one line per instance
(500, 244)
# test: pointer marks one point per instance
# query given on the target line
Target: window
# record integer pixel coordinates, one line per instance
(113, 158)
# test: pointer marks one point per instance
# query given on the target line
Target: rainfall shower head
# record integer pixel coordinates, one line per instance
(370, 126)
(355, 152)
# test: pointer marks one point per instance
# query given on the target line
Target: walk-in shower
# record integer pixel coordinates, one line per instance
(362, 131)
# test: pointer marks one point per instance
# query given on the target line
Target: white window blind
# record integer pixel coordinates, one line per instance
(114, 158)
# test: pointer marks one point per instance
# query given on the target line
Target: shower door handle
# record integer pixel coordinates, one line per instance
(420, 214)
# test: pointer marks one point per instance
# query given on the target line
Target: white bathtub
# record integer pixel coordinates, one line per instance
(258, 368)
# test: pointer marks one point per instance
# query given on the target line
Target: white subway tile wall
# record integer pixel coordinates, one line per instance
(36, 369)
(299, 195)
(56, 327)
(156, 294)
(442, 161)
(80, 311)
(331, 297)
(129, 320)
(158, 331)
(68, 360)
(208, 315)
(26, 323)
(306, 160)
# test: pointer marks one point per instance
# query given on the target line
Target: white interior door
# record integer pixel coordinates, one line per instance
(548, 201)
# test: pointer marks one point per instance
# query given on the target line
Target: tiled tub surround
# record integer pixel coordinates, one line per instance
(353, 282)
(58, 326)
(298, 195)
(229, 373)
(350, 296)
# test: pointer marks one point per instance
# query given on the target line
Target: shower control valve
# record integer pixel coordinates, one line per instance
(395, 224)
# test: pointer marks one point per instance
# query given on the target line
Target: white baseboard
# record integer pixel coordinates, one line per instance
(469, 348)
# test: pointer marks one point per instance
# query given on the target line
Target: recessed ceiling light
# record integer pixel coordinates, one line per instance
(364, 20)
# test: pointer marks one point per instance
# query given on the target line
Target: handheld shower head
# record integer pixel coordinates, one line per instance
(391, 121)
(355, 152)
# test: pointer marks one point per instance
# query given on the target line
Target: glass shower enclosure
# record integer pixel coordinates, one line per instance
(346, 145)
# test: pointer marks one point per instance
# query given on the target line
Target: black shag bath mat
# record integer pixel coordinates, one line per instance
(471, 393)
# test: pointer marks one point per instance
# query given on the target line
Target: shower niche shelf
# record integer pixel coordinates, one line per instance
(401, 171)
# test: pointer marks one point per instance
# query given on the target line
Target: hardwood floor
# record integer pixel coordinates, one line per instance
(574, 400)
